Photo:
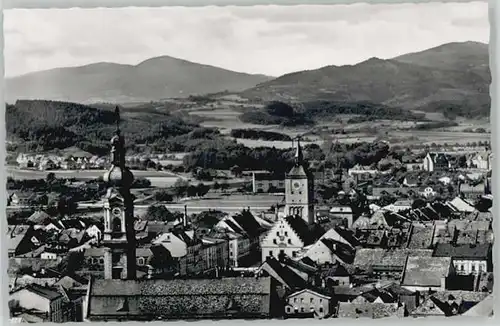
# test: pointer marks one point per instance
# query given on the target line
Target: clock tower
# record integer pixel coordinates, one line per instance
(119, 235)
(299, 190)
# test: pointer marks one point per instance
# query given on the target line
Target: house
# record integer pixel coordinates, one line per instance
(94, 232)
(22, 199)
(25, 161)
(16, 238)
(411, 181)
(287, 279)
(333, 275)
(47, 164)
(177, 242)
(289, 235)
(468, 258)
(483, 308)
(470, 191)
(436, 161)
(265, 182)
(460, 205)
(40, 298)
(238, 245)
(427, 273)
(327, 250)
(421, 236)
(145, 300)
(342, 212)
(307, 302)
(373, 310)
(215, 253)
(411, 162)
(479, 160)
(39, 218)
(387, 264)
(399, 205)
(448, 303)
(360, 172)
(427, 192)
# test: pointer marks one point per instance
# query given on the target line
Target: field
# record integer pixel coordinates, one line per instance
(82, 174)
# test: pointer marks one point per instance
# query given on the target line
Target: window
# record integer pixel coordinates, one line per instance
(301, 300)
(320, 300)
(141, 261)
(311, 300)
(473, 268)
(481, 267)
(302, 309)
(288, 310)
(462, 268)
(289, 241)
(294, 254)
(270, 253)
(101, 261)
(274, 241)
(294, 299)
(320, 309)
(286, 233)
(277, 234)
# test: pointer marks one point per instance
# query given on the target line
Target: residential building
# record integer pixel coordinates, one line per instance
(146, 300)
(342, 212)
(265, 182)
(427, 273)
(307, 302)
(42, 299)
(467, 258)
(436, 161)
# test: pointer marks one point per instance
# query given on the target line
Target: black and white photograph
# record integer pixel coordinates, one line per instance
(266, 162)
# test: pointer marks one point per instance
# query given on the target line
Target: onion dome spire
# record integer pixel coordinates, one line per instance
(118, 174)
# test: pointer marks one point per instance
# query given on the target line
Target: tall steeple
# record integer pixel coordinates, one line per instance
(299, 158)
(299, 189)
(119, 234)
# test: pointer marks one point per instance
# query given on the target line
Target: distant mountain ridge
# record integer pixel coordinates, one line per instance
(453, 78)
(152, 79)
(451, 75)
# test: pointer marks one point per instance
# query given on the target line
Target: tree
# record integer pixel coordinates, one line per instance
(66, 205)
(180, 187)
(202, 189)
(50, 178)
(236, 170)
(161, 213)
(191, 191)
(224, 186)
(163, 196)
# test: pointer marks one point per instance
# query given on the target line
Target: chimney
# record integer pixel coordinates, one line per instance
(185, 216)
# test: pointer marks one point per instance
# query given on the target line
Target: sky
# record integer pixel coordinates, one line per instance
(271, 40)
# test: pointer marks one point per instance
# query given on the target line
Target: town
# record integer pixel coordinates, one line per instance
(409, 236)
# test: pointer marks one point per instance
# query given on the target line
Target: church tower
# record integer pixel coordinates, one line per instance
(299, 190)
(119, 235)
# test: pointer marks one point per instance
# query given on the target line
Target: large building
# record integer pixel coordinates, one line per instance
(299, 190)
(119, 234)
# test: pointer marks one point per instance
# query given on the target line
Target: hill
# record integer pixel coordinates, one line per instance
(452, 78)
(153, 79)
(46, 125)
